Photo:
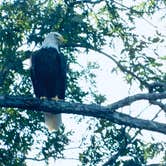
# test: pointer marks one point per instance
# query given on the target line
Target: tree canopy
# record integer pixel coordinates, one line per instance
(105, 27)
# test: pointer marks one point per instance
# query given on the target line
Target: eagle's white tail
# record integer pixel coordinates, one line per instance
(52, 121)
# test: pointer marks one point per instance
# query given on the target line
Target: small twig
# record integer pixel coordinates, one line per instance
(156, 115)
(160, 104)
(34, 159)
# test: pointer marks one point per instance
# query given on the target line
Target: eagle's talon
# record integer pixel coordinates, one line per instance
(43, 98)
(55, 98)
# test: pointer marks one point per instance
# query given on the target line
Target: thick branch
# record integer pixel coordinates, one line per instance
(93, 110)
(146, 96)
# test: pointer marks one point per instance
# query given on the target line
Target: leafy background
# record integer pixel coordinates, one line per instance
(87, 26)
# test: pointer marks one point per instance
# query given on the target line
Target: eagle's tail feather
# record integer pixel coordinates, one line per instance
(53, 122)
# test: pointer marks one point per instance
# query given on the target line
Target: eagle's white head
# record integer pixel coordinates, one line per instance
(53, 40)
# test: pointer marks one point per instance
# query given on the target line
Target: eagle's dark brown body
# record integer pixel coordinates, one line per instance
(48, 73)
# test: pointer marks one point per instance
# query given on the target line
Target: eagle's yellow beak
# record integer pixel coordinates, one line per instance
(62, 40)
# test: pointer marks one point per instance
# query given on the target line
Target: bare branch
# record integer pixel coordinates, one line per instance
(149, 86)
(160, 104)
(93, 110)
(111, 160)
(87, 1)
(144, 96)
(119, 65)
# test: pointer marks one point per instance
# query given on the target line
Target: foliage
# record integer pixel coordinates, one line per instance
(86, 25)
(117, 144)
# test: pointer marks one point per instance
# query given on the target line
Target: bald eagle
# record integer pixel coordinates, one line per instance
(48, 74)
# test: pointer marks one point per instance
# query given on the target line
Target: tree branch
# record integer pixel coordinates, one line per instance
(86, 1)
(93, 110)
(146, 96)
(119, 65)
(120, 151)
(149, 86)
